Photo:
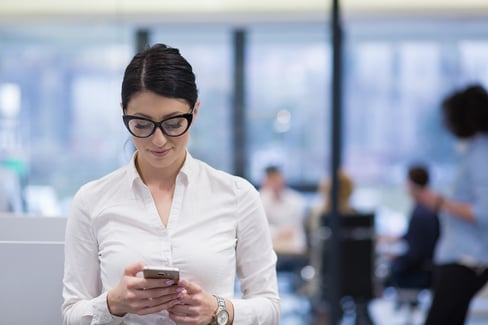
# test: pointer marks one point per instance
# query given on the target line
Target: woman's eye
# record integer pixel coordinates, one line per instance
(143, 125)
(173, 125)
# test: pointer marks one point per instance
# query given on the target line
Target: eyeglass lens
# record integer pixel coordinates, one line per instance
(173, 126)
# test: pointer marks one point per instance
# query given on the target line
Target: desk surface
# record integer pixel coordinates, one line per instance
(31, 283)
(27, 228)
(32, 255)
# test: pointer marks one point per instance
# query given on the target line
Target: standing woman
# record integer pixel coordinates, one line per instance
(167, 208)
(462, 251)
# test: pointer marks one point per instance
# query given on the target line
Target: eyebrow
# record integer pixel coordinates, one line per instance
(164, 117)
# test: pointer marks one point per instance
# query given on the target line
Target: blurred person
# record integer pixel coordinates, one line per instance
(166, 208)
(413, 267)
(344, 207)
(322, 207)
(11, 200)
(314, 219)
(461, 255)
(285, 210)
(357, 303)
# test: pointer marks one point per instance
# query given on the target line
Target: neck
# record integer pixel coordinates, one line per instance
(162, 178)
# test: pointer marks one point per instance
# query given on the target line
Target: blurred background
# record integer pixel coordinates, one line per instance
(61, 66)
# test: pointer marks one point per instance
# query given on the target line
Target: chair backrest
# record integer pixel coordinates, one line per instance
(357, 244)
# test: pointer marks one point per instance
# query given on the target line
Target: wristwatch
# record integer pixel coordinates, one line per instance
(221, 315)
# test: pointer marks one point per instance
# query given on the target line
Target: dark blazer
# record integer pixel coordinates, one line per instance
(421, 237)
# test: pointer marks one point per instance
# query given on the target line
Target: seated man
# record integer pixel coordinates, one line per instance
(412, 268)
(285, 209)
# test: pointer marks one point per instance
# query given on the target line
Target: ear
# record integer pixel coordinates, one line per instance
(195, 110)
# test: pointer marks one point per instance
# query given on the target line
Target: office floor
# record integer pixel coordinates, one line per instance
(297, 309)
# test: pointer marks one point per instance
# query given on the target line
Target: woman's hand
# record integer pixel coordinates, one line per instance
(428, 198)
(141, 296)
(197, 306)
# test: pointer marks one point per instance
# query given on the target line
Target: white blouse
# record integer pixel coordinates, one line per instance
(285, 214)
(216, 228)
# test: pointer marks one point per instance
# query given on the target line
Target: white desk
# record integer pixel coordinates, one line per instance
(32, 260)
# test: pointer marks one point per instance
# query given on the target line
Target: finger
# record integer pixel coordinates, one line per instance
(141, 284)
(158, 283)
(150, 302)
(180, 318)
(157, 292)
(133, 269)
(156, 308)
(191, 288)
(183, 317)
(182, 309)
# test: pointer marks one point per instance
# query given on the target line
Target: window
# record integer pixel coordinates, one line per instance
(61, 122)
(395, 79)
(208, 49)
(288, 100)
(66, 126)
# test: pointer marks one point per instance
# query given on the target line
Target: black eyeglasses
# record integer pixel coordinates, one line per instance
(173, 126)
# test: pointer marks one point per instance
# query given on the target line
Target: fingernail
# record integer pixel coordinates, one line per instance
(180, 289)
(170, 282)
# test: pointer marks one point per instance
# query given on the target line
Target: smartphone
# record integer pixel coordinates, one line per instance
(161, 272)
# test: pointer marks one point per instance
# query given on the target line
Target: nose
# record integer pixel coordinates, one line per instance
(158, 137)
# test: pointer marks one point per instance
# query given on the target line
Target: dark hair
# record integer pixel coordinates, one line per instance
(272, 169)
(162, 70)
(419, 175)
(466, 111)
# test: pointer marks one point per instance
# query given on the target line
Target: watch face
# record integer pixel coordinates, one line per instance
(222, 317)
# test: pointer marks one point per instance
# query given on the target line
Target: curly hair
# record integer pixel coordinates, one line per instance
(466, 111)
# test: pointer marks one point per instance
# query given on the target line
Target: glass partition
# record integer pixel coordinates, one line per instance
(209, 51)
(288, 101)
(60, 122)
(60, 113)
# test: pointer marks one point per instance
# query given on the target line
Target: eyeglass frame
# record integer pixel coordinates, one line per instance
(187, 116)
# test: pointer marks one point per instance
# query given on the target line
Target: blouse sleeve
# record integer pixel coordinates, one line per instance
(83, 301)
(256, 263)
(479, 178)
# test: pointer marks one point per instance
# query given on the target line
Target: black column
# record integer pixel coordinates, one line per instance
(336, 145)
(238, 120)
(142, 39)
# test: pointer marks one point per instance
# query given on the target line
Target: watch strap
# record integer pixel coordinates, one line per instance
(220, 306)
(220, 302)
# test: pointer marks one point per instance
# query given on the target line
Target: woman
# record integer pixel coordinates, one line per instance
(346, 189)
(461, 254)
(167, 208)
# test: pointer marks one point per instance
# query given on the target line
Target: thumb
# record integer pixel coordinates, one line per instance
(191, 288)
(133, 269)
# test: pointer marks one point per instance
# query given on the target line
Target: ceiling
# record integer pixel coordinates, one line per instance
(204, 10)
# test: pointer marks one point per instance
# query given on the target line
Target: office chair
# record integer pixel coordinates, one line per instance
(357, 245)
(409, 287)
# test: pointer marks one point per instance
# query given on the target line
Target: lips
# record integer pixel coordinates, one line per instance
(159, 152)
